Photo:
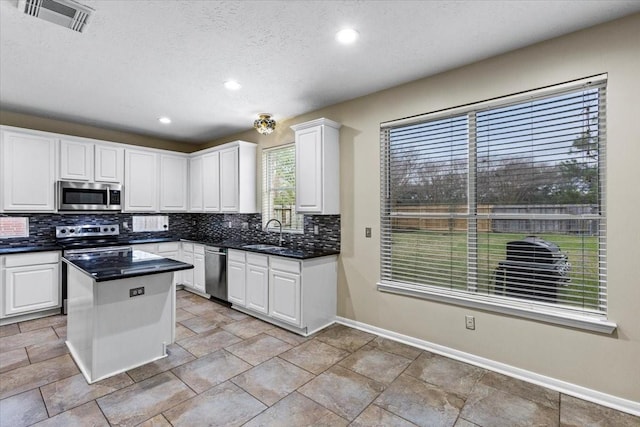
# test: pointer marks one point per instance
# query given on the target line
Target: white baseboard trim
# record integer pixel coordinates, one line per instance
(574, 390)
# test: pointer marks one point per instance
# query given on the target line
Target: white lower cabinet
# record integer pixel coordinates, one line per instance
(171, 250)
(236, 277)
(193, 280)
(284, 296)
(257, 283)
(299, 295)
(167, 250)
(30, 283)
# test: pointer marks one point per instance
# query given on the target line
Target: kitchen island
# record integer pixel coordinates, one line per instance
(121, 310)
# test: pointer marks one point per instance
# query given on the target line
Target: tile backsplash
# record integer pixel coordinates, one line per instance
(203, 227)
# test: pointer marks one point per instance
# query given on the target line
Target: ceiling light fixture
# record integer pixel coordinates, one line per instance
(164, 120)
(232, 85)
(265, 124)
(347, 36)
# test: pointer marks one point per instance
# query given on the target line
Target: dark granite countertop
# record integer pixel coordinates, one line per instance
(8, 249)
(129, 264)
(297, 253)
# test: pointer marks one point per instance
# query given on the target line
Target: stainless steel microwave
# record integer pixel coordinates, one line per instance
(88, 196)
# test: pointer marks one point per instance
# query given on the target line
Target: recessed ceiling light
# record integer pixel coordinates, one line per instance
(347, 36)
(232, 85)
(164, 120)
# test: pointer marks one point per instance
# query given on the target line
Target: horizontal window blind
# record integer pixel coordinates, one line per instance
(504, 201)
(279, 187)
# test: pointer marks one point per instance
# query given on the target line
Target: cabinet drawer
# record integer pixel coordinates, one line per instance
(257, 259)
(31, 259)
(168, 247)
(236, 255)
(198, 249)
(284, 264)
(187, 247)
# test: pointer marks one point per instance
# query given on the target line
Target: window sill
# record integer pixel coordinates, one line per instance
(551, 315)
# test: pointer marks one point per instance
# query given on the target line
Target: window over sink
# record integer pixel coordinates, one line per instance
(279, 188)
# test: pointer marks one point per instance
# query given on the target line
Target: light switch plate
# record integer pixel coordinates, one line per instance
(367, 232)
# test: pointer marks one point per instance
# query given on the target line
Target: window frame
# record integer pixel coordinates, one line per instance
(584, 319)
(265, 190)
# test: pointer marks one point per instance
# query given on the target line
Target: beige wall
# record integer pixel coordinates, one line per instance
(607, 363)
(11, 118)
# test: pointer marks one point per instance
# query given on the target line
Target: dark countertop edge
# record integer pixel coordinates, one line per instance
(28, 248)
(120, 276)
(295, 253)
(139, 274)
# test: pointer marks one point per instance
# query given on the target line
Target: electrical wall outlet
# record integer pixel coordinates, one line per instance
(316, 229)
(367, 232)
(470, 322)
(245, 225)
(135, 292)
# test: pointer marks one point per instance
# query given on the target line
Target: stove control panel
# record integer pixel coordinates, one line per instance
(87, 230)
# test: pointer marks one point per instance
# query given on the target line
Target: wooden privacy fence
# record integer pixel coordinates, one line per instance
(413, 220)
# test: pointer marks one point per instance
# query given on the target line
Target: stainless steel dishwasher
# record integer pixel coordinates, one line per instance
(215, 272)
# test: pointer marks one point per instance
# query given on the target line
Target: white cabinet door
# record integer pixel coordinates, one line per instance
(141, 181)
(258, 287)
(196, 203)
(28, 172)
(198, 272)
(309, 170)
(174, 254)
(76, 160)
(236, 277)
(284, 297)
(236, 282)
(31, 288)
(109, 164)
(229, 180)
(211, 181)
(187, 275)
(173, 183)
(318, 167)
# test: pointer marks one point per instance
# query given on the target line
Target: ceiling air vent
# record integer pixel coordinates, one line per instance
(67, 13)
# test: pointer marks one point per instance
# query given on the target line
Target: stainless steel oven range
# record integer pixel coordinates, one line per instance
(88, 240)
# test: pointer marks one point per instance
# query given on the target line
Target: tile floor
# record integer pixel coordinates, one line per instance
(229, 369)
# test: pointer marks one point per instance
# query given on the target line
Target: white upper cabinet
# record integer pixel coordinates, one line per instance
(86, 161)
(109, 164)
(317, 167)
(173, 183)
(229, 180)
(211, 181)
(76, 160)
(196, 202)
(28, 171)
(204, 179)
(226, 180)
(141, 181)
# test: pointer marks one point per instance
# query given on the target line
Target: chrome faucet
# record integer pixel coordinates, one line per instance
(266, 228)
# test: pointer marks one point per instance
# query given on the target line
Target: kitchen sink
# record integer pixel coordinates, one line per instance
(263, 247)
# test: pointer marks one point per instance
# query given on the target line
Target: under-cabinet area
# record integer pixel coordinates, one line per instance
(299, 295)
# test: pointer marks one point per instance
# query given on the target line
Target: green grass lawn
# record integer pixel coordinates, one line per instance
(440, 259)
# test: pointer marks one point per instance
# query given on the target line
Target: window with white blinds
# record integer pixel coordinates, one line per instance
(501, 201)
(279, 187)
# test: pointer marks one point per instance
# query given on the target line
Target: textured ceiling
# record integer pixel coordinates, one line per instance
(139, 60)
